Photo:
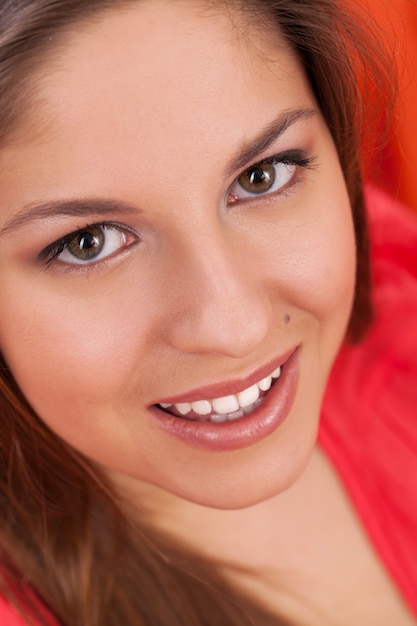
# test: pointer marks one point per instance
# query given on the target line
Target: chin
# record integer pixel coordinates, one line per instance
(261, 482)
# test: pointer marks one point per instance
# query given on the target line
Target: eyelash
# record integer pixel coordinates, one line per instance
(52, 252)
(290, 158)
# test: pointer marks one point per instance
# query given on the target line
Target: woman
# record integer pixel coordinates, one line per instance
(183, 247)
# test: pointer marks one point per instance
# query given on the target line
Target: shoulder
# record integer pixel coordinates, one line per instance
(391, 344)
(369, 422)
(378, 375)
(393, 231)
(393, 234)
(390, 348)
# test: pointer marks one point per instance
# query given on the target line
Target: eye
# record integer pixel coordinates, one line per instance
(268, 176)
(88, 245)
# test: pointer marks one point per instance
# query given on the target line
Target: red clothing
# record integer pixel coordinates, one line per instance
(369, 418)
(9, 616)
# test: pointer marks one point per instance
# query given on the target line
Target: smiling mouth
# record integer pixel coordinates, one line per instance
(226, 408)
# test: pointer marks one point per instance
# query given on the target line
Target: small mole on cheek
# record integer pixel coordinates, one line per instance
(287, 319)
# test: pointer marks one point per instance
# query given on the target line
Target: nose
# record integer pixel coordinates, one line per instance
(221, 306)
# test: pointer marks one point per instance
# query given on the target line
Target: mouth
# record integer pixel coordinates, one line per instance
(234, 414)
(224, 408)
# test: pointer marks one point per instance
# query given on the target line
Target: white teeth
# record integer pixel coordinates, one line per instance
(276, 373)
(202, 407)
(227, 404)
(227, 408)
(248, 396)
(265, 383)
(183, 407)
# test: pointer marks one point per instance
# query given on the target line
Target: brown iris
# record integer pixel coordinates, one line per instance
(259, 178)
(87, 243)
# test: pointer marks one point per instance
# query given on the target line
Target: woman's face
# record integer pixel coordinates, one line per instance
(174, 227)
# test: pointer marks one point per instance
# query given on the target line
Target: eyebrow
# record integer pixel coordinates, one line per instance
(267, 136)
(74, 208)
(104, 207)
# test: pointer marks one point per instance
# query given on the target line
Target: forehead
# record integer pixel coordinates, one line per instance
(161, 79)
(155, 55)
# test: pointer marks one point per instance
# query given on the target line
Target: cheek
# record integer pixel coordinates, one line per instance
(80, 362)
(311, 265)
(326, 266)
(70, 351)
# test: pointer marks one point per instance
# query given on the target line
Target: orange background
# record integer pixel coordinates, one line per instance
(398, 18)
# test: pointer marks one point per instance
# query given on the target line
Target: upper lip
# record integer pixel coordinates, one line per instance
(230, 387)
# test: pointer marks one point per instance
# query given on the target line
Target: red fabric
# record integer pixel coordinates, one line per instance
(369, 420)
(10, 616)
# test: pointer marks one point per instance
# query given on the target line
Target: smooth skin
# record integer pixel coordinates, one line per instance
(197, 285)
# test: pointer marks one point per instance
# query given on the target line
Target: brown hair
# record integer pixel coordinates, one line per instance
(63, 534)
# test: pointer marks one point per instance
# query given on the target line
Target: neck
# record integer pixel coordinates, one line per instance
(249, 537)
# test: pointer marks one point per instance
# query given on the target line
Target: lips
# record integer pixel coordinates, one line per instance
(260, 418)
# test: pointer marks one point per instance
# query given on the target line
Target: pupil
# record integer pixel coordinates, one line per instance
(86, 241)
(257, 176)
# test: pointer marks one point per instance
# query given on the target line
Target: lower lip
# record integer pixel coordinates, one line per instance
(244, 431)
